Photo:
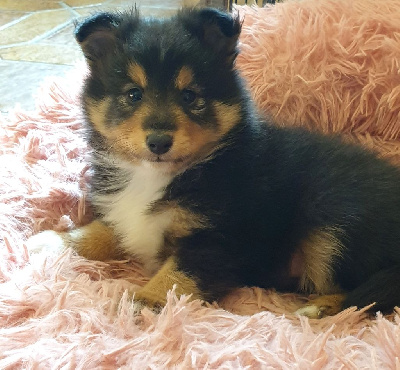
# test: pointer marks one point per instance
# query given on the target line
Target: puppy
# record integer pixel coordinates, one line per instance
(189, 179)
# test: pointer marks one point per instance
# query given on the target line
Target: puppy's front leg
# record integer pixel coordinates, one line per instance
(95, 241)
(155, 291)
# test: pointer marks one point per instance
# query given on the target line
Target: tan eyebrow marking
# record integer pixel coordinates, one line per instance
(138, 75)
(185, 78)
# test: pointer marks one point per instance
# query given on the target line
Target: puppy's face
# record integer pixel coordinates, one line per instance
(161, 91)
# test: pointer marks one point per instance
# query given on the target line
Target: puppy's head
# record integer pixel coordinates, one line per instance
(162, 91)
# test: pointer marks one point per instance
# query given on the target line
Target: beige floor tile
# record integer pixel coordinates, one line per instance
(87, 11)
(157, 12)
(44, 53)
(34, 25)
(63, 37)
(74, 3)
(145, 3)
(29, 5)
(9, 16)
(144, 10)
(190, 2)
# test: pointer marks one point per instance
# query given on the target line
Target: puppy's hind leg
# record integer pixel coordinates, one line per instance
(383, 289)
(94, 241)
(325, 305)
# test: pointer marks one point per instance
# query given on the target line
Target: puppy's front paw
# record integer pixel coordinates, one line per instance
(149, 299)
(48, 241)
(326, 305)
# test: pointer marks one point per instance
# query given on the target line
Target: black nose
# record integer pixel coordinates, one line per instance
(159, 143)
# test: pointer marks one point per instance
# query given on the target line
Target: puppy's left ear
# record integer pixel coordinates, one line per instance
(216, 29)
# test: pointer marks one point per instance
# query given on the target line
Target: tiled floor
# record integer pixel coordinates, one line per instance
(36, 40)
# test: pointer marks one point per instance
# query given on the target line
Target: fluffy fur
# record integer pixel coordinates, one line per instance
(60, 311)
(187, 174)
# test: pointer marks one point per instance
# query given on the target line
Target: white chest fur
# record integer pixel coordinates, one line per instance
(141, 233)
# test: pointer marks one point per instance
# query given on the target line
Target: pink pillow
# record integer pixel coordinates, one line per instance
(329, 65)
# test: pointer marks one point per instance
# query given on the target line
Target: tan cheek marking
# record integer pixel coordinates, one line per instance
(191, 138)
(155, 291)
(138, 75)
(319, 251)
(185, 78)
(125, 138)
(97, 112)
(194, 139)
(128, 141)
(228, 116)
(129, 135)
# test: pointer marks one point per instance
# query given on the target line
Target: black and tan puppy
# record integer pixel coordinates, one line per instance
(210, 197)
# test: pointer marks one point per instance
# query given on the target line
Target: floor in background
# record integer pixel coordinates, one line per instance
(36, 40)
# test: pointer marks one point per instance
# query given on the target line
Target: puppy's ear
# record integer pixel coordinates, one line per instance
(97, 35)
(216, 29)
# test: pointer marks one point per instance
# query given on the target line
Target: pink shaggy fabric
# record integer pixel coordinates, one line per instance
(329, 65)
(64, 312)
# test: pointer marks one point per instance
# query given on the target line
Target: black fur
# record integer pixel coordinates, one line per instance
(267, 188)
(273, 187)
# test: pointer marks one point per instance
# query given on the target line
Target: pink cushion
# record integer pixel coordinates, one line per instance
(330, 65)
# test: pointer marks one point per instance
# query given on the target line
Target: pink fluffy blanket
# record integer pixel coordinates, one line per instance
(329, 64)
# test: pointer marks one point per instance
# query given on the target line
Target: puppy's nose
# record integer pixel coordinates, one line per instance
(159, 143)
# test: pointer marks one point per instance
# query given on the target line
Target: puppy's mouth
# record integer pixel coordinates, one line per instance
(164, 159)
(167, 159)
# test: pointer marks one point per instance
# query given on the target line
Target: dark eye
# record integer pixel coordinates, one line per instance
(135, 94)
(188, 96)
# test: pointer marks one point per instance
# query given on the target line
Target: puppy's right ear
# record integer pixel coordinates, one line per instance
(97, 35)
